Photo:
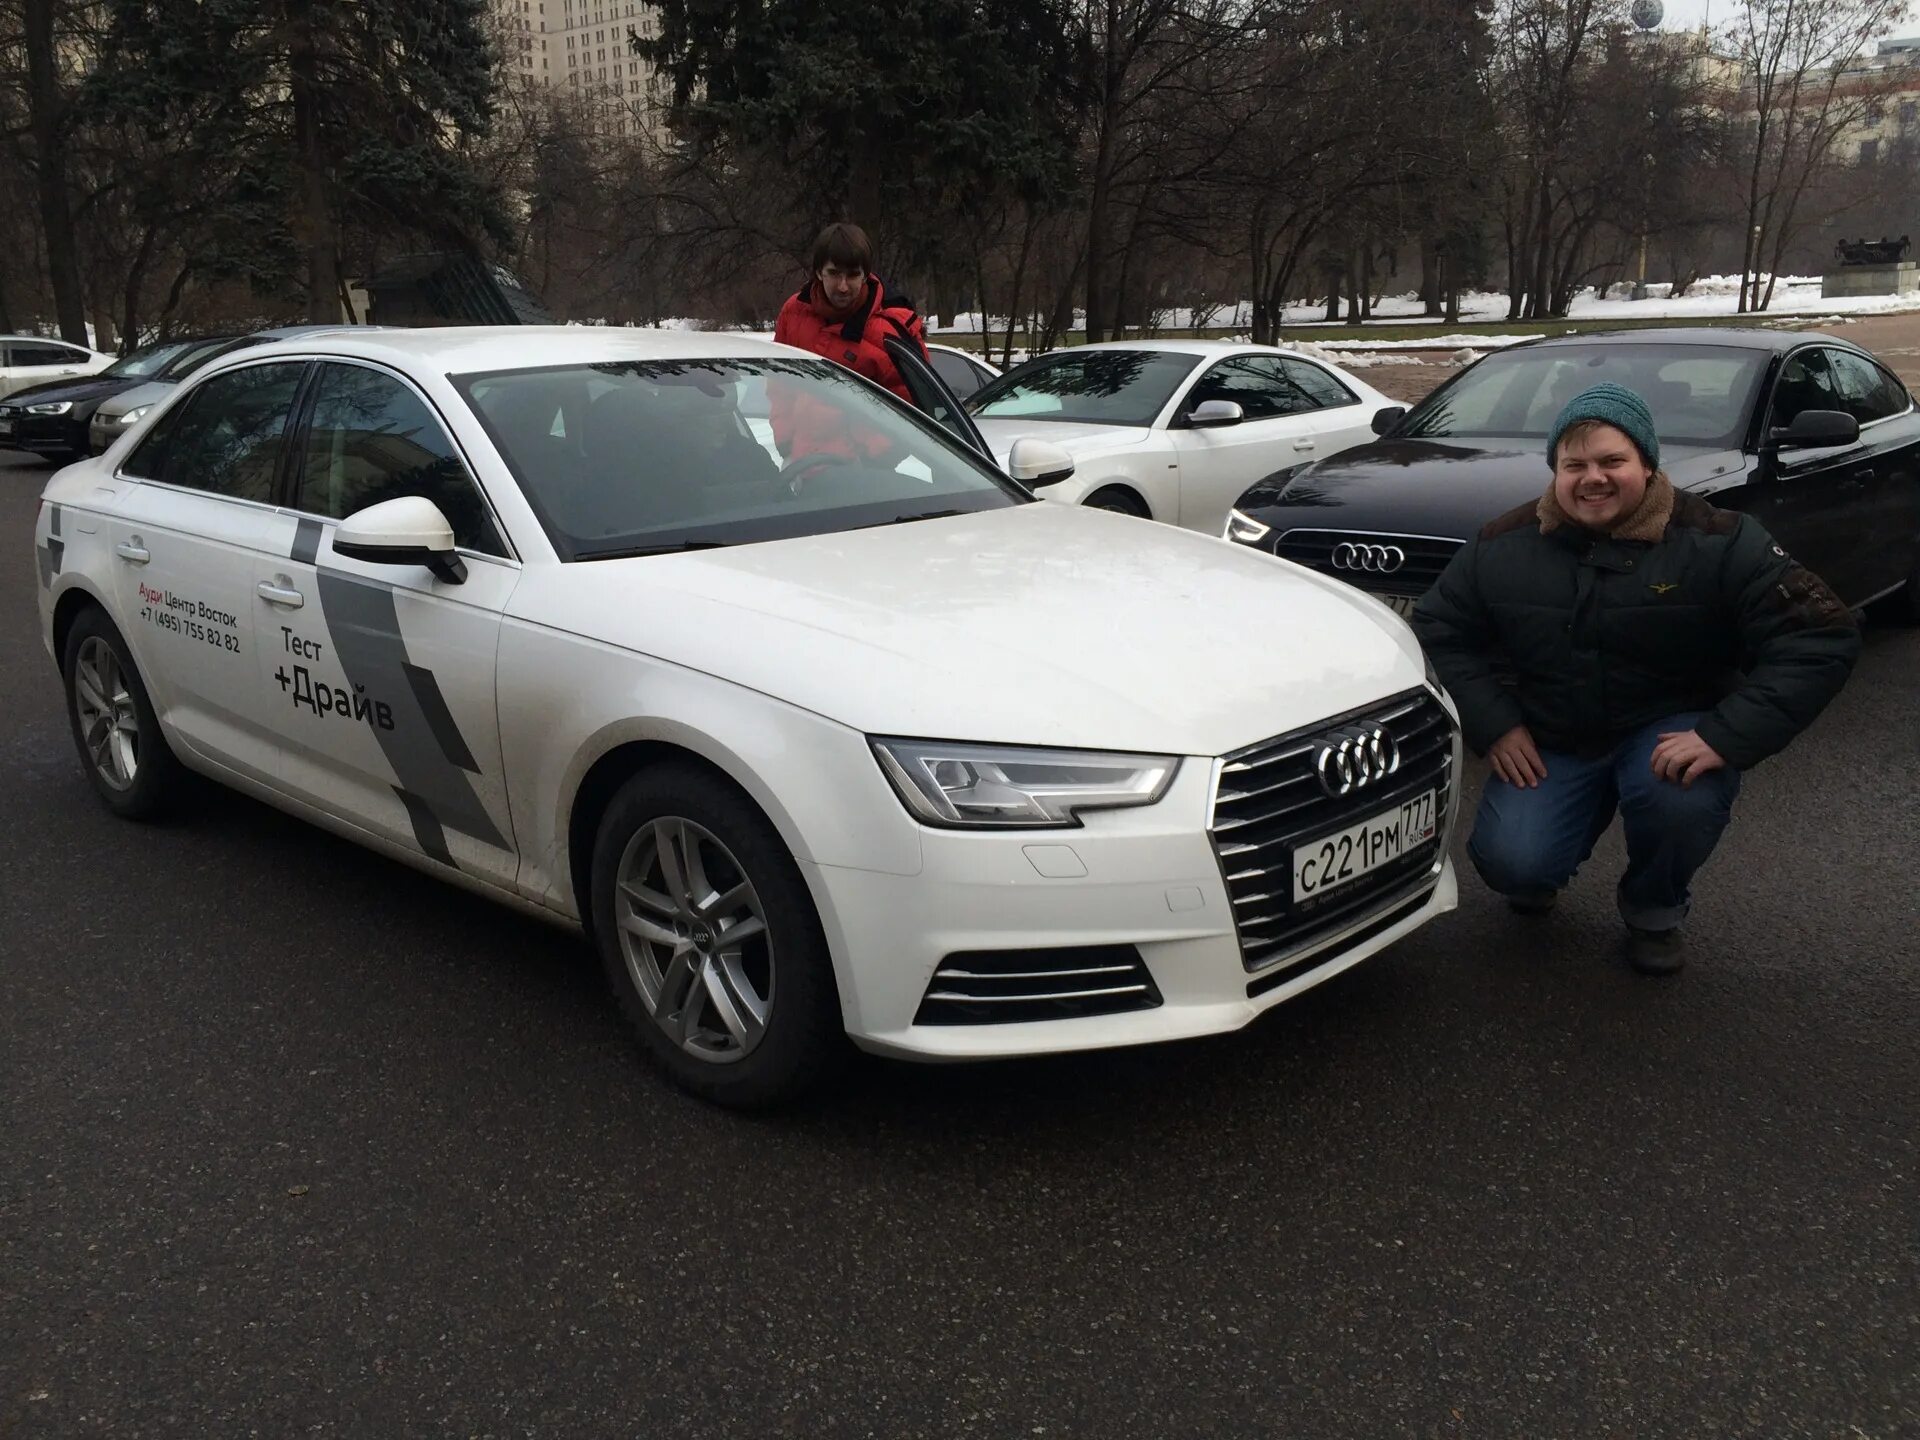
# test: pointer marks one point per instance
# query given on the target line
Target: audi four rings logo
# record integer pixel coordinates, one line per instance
(1350, 759)
(1374, 559)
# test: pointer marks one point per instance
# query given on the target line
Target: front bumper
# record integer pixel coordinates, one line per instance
(1151, 882)
(40, 434)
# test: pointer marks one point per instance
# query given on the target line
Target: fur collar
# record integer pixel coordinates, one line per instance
(1648, 522)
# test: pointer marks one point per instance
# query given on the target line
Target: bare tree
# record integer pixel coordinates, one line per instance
(1802, 87)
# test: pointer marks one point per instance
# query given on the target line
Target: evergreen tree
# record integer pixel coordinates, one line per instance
(316, 119)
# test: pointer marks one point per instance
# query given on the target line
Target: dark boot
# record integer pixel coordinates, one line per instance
(1656, 952)
(1534, 902)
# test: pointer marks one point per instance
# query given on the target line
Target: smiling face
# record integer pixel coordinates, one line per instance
(1599, 476)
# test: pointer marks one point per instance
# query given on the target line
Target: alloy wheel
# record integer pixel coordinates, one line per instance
(109, 723)
(695, 940)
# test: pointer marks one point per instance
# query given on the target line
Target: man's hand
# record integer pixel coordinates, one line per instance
(1515, 759)
(1683, 757)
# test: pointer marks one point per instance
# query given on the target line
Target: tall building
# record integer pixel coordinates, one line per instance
(579, 47)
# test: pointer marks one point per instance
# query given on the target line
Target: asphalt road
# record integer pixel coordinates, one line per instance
(296, 1141)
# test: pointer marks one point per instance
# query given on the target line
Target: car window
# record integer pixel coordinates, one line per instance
(148, 360)
(1869, 392)
(226, 437)
(1322, 386)
(960, 374)
(1260, 391)
(1699, 394)
(44, 355)
(631, 457)
(1099, 387)
(1806, 382)
(371, 438)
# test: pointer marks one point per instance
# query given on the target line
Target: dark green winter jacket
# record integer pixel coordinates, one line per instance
(1585, 637)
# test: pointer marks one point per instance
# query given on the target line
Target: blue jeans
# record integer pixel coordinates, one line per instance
(1530, 842)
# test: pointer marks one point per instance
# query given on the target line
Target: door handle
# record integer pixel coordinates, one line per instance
(278, 592)
(133, 551)
(1303, 445)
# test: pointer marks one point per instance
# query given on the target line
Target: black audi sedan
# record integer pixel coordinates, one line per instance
(51, 419)
(1810, 434)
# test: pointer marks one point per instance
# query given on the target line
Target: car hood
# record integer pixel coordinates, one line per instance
(1078, 440)
(48, 392)
(1040, 624)
(1447, 488)
(145, 393)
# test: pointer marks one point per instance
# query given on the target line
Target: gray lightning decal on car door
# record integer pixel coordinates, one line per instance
(54, 551)
(429, 757)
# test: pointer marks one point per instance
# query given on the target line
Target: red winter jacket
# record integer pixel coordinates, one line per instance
(856, 340)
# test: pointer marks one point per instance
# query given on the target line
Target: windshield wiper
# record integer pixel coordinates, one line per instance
(634, 552)
(926, 515)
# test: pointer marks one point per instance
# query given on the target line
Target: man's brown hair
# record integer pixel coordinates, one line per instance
(845, 246)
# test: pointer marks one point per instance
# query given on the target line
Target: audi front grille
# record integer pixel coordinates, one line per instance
(1381, 564)
(1271, 799)
(998, 987)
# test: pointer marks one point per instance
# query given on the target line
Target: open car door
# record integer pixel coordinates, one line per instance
(931, 395)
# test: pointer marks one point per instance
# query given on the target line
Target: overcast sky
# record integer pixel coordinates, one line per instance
(1687, 15)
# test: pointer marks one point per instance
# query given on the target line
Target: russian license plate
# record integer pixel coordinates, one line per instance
(1399, 604)
(1344, 856)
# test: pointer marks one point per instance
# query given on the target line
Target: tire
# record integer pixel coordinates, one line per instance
(750, 1024)
(1118, 499)
(114, 728)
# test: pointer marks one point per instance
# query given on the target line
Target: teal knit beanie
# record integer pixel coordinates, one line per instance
(1613, 405)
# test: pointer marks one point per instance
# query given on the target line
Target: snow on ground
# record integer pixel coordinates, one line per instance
(1797, 296)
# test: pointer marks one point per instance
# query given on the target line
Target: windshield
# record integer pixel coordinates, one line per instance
(1699, 394)
(640, 457)
(1096, 387)
(193, 356)
(147, 360)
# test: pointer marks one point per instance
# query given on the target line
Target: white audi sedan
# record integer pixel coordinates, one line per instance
(836, 733)
(1177, 430)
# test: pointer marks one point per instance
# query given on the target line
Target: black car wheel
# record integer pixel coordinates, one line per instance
(114, 728)
(1120, 500)
(711, 942)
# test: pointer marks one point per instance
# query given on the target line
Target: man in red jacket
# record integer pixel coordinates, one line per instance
(843, 313)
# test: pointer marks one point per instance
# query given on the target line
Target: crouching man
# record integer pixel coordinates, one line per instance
(1620, 645)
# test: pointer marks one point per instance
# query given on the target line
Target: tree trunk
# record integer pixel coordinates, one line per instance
(313, 212)
(1430, 288)
(48, 121)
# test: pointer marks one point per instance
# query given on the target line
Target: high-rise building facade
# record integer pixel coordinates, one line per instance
(579, 47)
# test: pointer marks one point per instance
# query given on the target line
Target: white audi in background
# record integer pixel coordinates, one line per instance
(852, 739)
(1177, 430)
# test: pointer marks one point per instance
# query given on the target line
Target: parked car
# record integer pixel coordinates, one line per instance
(962, 370)
(1809, 434)
(116, 413)
(1176, 430)
(863, 742)
(31, 360)
(51, 418)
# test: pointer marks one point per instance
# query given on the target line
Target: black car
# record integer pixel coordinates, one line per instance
(51, 418)
(1810, 434)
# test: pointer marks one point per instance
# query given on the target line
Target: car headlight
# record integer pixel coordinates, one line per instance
(987, 786)
(1245, 529)
(131, 415)
(55, 407)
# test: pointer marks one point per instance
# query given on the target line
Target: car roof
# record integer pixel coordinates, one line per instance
(471, 349)
(1741, 337)
(1177, 347)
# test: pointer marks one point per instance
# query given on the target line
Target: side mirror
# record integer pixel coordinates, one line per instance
(1035, 463)
(1814, 428)
(1213, 414)
(1387, 419)
(407, 531)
